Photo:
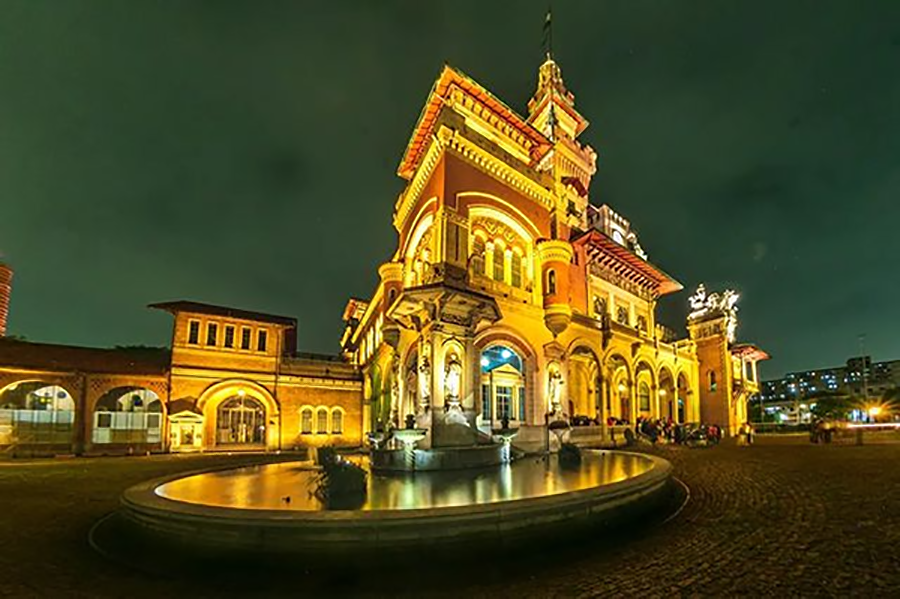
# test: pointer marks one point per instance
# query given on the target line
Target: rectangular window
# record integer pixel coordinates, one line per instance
(485, 402)
(498, 262)
(194, 332)
(229, 335)
(104, 420)
(478, 255)
(212, 334)
(261, 339)
(522, 404)
(245, 338)
(504, 401)
(515, 272)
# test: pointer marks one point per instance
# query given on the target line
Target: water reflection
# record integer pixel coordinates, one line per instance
(288, 486)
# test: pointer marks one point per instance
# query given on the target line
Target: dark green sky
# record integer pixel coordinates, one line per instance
(243, 153)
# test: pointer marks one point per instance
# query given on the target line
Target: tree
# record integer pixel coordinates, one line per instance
(832, 405)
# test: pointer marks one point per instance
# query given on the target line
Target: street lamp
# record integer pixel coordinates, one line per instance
(874, 411)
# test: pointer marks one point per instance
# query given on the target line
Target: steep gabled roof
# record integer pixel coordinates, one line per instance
(449, 77)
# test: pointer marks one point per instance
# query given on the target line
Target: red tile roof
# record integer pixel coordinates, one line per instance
(199, 308)
(421, 135)
(627, 263)
(68, 358)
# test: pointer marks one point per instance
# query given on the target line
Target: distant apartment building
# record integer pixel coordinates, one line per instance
(791, 399)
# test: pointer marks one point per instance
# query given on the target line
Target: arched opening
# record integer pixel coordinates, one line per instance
(551, 282)
(129, 416)
(502, 388)
(683, 391)
(241, 420)
(713, 384)
(585, 400)
(647, 404)
(619, 402)
(668, 398)
(36, 413)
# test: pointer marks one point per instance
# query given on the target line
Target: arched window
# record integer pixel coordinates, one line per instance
(551, 282)
(599, 307)
(392, 295)
(337, 422)
(478, 255)
(306, 418)
(322, 421)
(713, 385)
(499, 265)
(502, 386)
(644, 397)
(515, 270)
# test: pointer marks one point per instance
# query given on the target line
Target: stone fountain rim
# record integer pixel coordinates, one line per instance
(143, 500)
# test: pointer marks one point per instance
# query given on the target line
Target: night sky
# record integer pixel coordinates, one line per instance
(244, 153)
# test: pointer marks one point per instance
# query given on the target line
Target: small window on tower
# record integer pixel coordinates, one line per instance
(229, 336)
(713, 385)
(212, 334)
(261, 340)
(194, 332)
(245, 338)
(551, 282)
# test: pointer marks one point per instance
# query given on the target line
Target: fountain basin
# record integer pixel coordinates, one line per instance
(243, 510)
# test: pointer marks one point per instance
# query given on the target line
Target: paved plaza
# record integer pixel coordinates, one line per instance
(782, 518)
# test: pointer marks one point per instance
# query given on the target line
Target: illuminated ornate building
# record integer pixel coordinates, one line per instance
(511, 302)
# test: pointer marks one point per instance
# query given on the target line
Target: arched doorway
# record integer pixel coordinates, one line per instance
(502, 388)
(668, 398)
(241, 420)
(682, 390)
(619, 406)
(584, 386)
(647, 402)
(36, 413)
(127, 415)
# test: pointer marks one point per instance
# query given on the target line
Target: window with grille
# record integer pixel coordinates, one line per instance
(515, 273)
(498, 262)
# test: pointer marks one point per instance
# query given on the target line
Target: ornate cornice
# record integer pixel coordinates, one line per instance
(555, 250)
(413, 191)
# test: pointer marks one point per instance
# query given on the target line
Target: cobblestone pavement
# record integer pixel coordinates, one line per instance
(782, 518)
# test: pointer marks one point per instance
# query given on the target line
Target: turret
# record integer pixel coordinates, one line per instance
(556, 256)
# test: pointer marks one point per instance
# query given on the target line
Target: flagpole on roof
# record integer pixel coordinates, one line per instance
(548, 32)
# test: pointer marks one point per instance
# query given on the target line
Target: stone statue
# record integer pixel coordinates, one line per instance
(425, 381)
(554, 390)
(452, 378)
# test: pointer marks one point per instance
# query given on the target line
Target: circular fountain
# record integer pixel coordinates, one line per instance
(273, 508)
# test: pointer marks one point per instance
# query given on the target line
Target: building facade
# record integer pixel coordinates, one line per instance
(232, 380)
(792, 398)
(510, 302)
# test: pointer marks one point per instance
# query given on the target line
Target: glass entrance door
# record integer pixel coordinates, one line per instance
(241, 421)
